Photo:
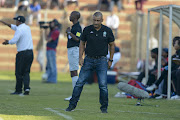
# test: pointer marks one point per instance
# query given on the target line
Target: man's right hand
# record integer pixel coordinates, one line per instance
(6, 42)
(81, 61)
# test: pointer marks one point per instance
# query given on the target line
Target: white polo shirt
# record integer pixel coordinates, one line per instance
(22, 37)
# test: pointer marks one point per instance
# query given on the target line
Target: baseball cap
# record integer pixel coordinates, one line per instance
(20, 19)
(56, 22)
(165, 50)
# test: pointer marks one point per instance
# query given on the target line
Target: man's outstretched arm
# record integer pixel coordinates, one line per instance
(9, 25)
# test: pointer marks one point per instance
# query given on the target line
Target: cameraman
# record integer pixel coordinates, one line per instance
(52, 38)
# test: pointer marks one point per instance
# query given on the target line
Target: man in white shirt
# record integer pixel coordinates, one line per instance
(112, 21)
(24, 58)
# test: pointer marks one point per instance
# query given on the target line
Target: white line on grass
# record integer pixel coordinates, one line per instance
(60, 114)
(139, 112)
(1, 118)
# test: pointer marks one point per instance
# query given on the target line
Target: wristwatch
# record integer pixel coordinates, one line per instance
(110, 60)
(68, 32)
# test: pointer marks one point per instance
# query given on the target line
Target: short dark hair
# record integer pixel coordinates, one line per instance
(177, 38)
(98, 14)
(155, 50)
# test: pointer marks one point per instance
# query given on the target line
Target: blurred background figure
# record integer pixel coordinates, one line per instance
(2, 3)
(17, 3)
(65, 23)
(118, 3)
(35, 12)
(66, 2)
(39, 48)
(139, 5)
(51, 4)
(112, 21)
(23, 10)
(104, 2)
(153, 71)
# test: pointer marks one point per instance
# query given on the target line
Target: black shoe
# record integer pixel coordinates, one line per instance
(70, 108)
(104, 110)
(26, 92)
(16, 93)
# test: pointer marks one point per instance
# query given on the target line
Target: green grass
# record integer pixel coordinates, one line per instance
(52, 96)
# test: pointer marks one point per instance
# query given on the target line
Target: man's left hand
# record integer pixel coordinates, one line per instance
(68, 30)
(6, 42)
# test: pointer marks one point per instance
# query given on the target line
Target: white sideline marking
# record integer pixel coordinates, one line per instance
(139, 112)
(10, 90)
(1, 118)
(60, 114)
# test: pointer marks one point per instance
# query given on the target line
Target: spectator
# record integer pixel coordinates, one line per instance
(113, 22)
(17, 3)
(139, 5)
(52, 42)
(100, 2)
(152, 72)
(23, 10)
(35, 12)
(53, 3)
(66, 2)
(119, 5)
(2, 3)
(165, 53)
(174, 68)
(177, 82)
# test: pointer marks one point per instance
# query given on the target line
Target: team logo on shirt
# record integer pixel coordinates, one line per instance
(91, 32)
(104, 34)
(78, 34)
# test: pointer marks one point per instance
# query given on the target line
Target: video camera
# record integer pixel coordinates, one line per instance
(44, 24)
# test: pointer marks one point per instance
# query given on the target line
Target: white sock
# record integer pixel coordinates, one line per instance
(74, 80)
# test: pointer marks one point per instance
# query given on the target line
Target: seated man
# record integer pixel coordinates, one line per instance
(35, 12)
(174, 67)
(152, 72)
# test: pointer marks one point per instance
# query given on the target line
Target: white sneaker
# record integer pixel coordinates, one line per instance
(176, 97)
(44, 77)
(159, 97)
(68, 99)
(151, 88)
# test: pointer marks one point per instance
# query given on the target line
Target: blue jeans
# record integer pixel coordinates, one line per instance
(51, 69)
(100, 65)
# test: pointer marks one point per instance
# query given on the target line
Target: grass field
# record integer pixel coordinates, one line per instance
(46, 102)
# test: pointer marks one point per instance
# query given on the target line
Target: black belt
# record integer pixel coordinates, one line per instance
(95, 57)
(24, 51)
